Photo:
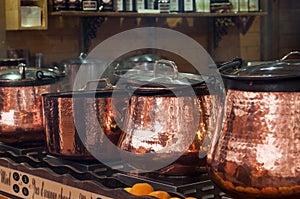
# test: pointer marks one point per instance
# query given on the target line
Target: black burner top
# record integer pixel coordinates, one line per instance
(93, 171)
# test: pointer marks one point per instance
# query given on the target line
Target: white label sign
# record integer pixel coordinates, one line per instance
(24, 185)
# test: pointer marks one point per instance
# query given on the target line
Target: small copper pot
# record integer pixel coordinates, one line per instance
(256, 152)
(77, 122)
(21, 90)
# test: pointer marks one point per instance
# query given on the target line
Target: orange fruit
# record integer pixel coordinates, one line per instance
(160, 194)
(141, 189)
(128, 189)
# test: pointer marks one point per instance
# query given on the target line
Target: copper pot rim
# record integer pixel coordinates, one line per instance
(260, 85)
(107, 93)
(26, 82)
(169, 92)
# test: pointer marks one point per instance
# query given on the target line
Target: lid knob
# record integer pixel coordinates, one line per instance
(22, 70)
(169, 63)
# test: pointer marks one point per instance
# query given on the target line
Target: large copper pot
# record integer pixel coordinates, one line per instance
(167, 117)
(183, 121)
(256, 152)
(21, 103)
(77, 123)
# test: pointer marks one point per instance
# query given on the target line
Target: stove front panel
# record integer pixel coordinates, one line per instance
(24, 185)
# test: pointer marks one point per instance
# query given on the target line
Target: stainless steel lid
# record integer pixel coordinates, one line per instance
(164, 74)
(144, 58)
(25, 76)
(279, 69)
(275, 76)
(81, 59)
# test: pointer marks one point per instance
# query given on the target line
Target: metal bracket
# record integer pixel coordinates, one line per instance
(243, 23)
(90, 27)
(222, 24)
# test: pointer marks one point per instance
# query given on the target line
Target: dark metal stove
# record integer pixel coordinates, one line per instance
(28, 172)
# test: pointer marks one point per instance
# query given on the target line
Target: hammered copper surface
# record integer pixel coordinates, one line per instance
(207, 120)
(257, 153)
(167, 125)
(159, 124)
(100, 118)
(21, 117)
(62, 133)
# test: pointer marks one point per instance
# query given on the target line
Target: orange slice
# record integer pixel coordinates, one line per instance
(160, 194)
(141, 189)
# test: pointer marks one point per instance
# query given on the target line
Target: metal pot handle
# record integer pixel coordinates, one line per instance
(40, 75)
(233, 64)
(82, 55)
(108, 85)
(167, 63)
(290, 53)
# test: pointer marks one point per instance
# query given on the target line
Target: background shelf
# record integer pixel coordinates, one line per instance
(135, 14)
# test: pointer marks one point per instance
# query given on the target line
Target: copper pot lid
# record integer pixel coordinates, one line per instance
(280, 75)
(26, 76)
(164, 75)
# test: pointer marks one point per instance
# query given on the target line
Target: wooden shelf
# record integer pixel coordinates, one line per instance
(135, 14)
(14, 18)
(96, 17)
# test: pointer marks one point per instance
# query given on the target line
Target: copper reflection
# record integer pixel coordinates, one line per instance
(159, 124)
(167, 125)
(95, 118)
(68, 141)
(21, 118)
(257, 153)
(61, 136)
(206, 123)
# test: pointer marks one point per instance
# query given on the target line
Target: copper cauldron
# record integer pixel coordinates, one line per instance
(167, 117)
(77, 122)
(21, 90)
(256, 153)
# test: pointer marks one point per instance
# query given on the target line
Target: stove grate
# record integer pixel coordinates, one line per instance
(93, 171)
